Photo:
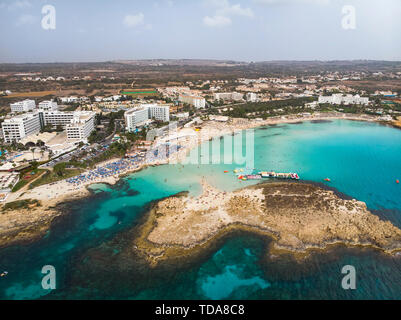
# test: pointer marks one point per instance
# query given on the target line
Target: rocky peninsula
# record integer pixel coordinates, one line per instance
(298, 217)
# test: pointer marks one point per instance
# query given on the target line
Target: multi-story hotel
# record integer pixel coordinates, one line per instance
(17, 127)
(235, 96)
(197, 102)
(339, 98)
(23, 106)
(81, 125)
(56, 118)
(135, 118)
(48, 105)
(158, 112)
(138, 116)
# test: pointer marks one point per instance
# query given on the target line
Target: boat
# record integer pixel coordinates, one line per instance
(225, 171)
(327, 179)
(397, 181)
(4, 274)
(254, 177)
(272, 174)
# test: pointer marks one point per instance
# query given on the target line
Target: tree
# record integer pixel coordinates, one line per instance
(33, 153)
(60, 169)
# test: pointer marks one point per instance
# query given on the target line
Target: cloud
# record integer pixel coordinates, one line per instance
(224, 11)
(131, 21)
(235, 10)
(18, 5)
(216, 21)
(286, 2)
(25, 19)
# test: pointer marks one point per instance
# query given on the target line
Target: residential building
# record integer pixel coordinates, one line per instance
(48, 105)
(20, 126)
(56, 118)
(234, 96)
(135, 117)
(158, 112)
(252, 97)
(23, 106)
(81, 125)
(196, 101)
(348, 99)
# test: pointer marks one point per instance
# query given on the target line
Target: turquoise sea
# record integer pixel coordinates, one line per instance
(89, 245)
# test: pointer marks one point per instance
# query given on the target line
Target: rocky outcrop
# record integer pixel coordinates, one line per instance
(297, 216)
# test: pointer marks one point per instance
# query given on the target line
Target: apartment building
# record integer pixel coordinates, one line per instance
(135, 118)
(20, 126)
(234, 96)
(348, 99)
(252, 97)
(158, 112)
(81, 125)
(56, 118)
(23, 106)
(196, 101)
(138, 116)
(48, 105)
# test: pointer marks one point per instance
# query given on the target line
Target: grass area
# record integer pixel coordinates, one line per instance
(21, 204)
(27, 177)
(50, 177)
(31, 94)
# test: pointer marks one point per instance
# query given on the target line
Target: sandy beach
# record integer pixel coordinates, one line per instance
(51, 195)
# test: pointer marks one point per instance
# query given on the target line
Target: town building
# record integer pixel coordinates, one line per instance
(348, 99)
(196, 101)
(81, 125)
(56, 118)
(234, 96)
(23, 106)
(158, 112)
(17, 127)
(252, 97)
(138, 116)
(48, 105)
(135, 117)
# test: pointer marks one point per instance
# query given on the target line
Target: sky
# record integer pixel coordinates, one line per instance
(253, 30)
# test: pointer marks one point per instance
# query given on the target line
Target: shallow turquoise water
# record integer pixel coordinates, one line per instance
(361, 159)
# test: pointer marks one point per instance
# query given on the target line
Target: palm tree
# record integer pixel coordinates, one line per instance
(33, 153)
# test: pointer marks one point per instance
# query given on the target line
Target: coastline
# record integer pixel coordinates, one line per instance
(29, 224)
(350, 225)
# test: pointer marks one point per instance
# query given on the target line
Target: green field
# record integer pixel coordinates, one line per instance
(138, 93)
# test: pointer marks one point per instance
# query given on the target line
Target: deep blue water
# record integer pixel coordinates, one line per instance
(86, 246)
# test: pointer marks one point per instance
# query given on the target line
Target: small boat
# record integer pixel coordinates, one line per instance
(397, 181)
(225, 171)
(4, 274)
(327, 179)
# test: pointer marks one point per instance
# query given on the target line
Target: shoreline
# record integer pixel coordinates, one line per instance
(50, 196)
(161, 247)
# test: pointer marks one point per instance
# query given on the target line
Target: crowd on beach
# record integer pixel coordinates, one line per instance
(116, 168)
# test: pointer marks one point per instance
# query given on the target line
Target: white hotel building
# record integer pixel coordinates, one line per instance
(56, 118)
(197, 102)
(23, 106)
(138, 117)
(158, 112)
(48, 105)
(341, 99)
(81, 126)
(20, 126)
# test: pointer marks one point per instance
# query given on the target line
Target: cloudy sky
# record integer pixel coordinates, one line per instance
(253, 30)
